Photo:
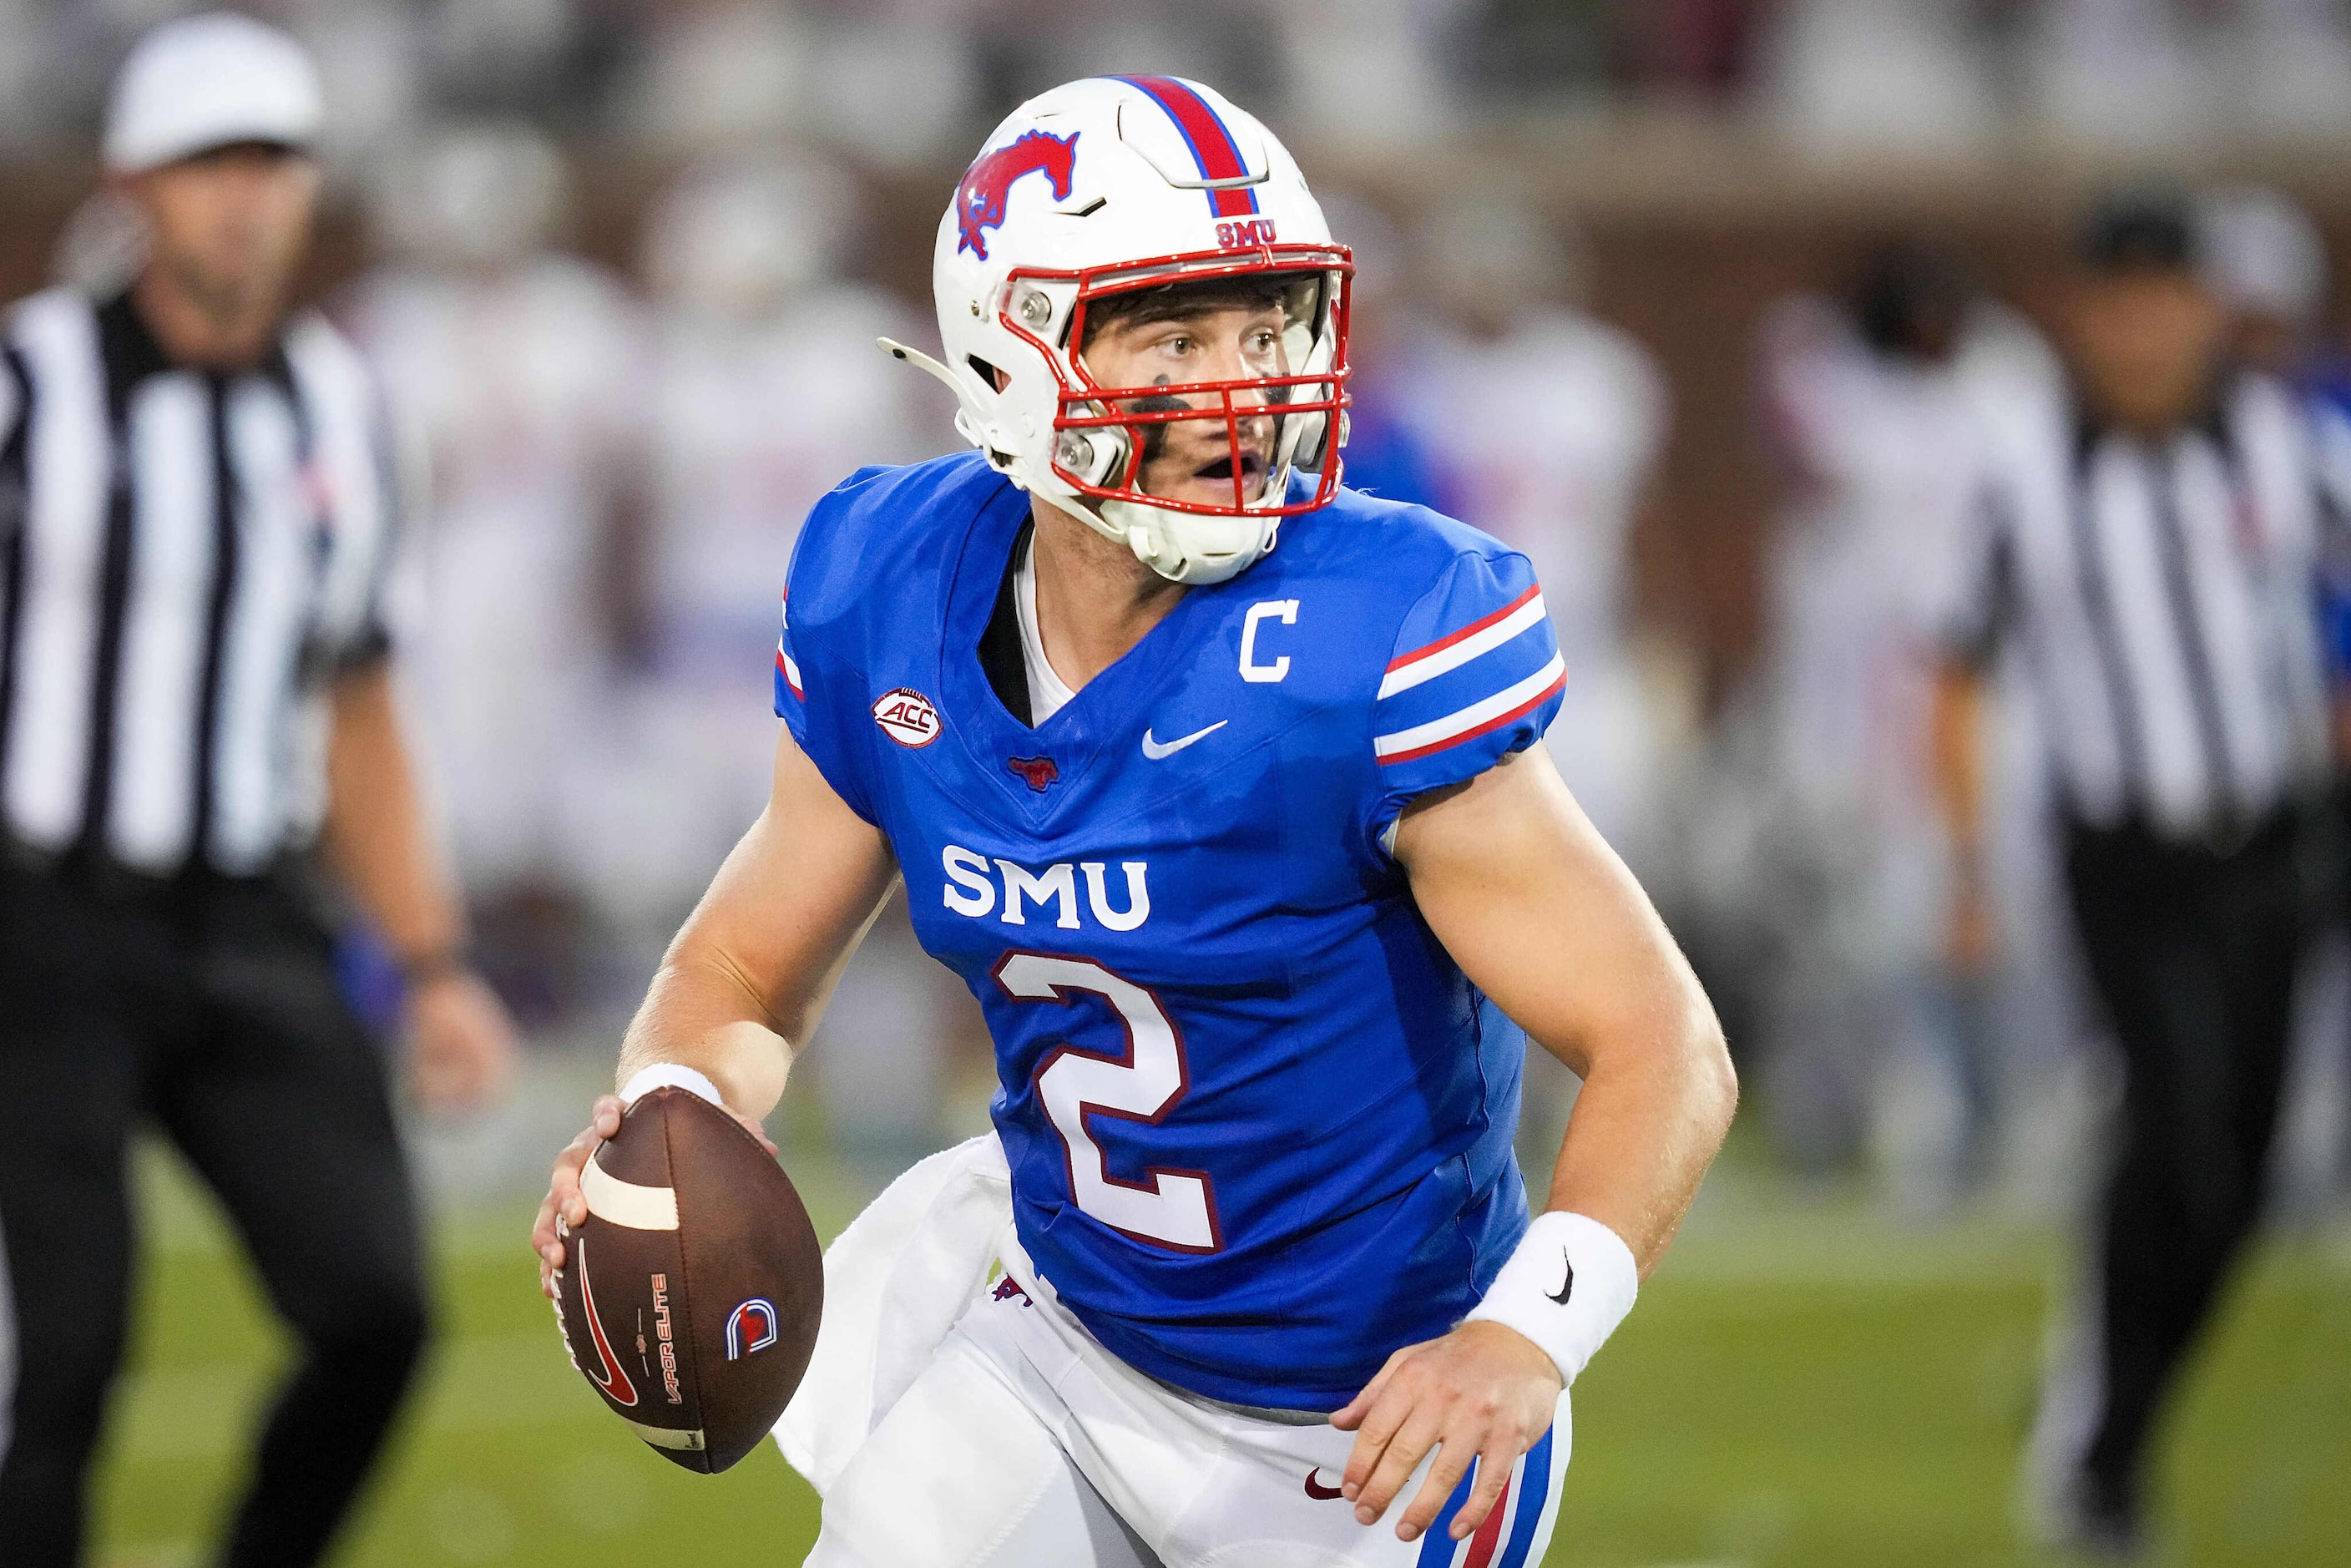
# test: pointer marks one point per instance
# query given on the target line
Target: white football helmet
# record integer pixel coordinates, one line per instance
(1117, 183)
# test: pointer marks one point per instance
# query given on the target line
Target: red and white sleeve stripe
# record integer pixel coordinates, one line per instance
(1450, 652)
(1486, 715)
(788, 671)
(1474, 680)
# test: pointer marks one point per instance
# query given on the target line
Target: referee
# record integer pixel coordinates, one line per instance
(194, 691)
(2148, 538)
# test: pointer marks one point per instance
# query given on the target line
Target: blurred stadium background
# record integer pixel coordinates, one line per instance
(621, 263)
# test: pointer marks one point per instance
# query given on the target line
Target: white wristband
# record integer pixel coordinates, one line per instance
(1567, 1287)
(672, 1075)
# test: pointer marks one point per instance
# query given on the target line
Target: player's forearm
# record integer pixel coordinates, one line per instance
(699, 1016)
(731, 1005)
(743, 985)
(1546, 919)
(376, 835)
(1652, 1114)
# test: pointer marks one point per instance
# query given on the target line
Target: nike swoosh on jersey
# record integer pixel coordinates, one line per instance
(1157, 749)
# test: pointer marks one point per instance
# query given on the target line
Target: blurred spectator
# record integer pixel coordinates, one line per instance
(1536, 50)
(1367, 71)
(767, 390)
(371, 59)
(1542, 423)
(892, 92)
(1025, 46)
(2149, 539)
(1879, 76)
(2288, 65)
(521, 370)
(1385, 454)
(1691, 48)
(1555, 50)
(1878, 406)
(503, 53)
(29, 96)
(717, 73)
(2122, 73)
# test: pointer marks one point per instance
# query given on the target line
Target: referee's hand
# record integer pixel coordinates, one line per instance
(461, 1044)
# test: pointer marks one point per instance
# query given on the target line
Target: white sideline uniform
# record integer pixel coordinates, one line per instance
(948, 1424)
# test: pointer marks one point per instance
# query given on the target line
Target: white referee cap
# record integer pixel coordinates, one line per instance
(207, 81)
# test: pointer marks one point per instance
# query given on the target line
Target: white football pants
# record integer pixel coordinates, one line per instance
(961, 1472)
(951, 1425)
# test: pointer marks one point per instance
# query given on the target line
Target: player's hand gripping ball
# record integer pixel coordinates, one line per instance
(690, 1295)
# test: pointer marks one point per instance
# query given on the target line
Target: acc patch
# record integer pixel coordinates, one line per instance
(907, 716)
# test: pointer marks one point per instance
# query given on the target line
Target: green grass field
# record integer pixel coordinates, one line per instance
(1801, 1387)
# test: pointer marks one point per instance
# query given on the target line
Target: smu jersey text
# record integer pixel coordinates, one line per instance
(1258, 1122)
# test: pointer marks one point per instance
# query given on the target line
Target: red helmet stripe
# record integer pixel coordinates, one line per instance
(1217, 156)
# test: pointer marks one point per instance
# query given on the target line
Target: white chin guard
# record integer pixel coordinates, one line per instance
(1185, 546)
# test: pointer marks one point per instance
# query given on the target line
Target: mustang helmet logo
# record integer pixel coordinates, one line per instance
(979, 200)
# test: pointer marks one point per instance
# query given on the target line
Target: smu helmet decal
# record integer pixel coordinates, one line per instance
(979, 200)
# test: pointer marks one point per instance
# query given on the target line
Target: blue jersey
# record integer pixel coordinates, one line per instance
(1257, 1121)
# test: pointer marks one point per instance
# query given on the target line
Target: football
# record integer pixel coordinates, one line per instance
(690, 1295)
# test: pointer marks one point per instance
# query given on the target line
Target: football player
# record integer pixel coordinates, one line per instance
(1255, 865)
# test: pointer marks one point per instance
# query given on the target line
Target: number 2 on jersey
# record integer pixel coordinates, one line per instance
(1172, 1208)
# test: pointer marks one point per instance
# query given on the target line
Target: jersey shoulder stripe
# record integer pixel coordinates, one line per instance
(1456, 649)
(1481, 718)
(1475, 656)
(788, 670)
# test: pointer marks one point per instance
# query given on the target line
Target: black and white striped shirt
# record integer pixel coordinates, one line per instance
(187, 557)
(2162, 591)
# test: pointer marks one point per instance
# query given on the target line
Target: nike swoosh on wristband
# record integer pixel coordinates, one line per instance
(1565, 1289)
(1158, 749)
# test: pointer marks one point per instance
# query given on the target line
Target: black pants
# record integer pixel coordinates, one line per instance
(2193, 951)
(211, 1009)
